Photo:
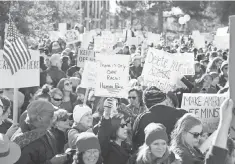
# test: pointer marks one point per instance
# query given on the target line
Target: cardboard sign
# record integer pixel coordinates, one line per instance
(85, 55)
(28, 76)
(222, 42)
(63, 28)
(89, 75)
(112, 75)
(72, 36)
(160, 68)
(205, 107)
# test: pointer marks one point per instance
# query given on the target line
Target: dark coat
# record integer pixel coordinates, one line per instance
(188, 156)
(216, 155)
(135, 72)
(111, 152)
(165, 115)
(6, 124)
(40, 151)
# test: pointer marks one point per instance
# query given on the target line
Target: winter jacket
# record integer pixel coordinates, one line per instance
(165, 115)
(111, 152)
(189, 156)
(216, 155)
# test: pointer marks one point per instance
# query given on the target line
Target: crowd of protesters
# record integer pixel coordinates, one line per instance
(60, 124)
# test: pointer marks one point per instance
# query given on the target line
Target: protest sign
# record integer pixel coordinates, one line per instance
(89, 75)
(62, 28)
(104, 43)
(84, 55)
(222, 31)
(161, 67)
(27, 76)
(205, 107)
(55, 35)
(154, 38)
(72, 36)
(112, 75)
(222, 42)
(199, 41)
(133, 41)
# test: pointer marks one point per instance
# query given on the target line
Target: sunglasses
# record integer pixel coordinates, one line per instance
(123, 125)
(132, 98)
(68, 83)
(196, 135)
(226, 68)
(57, 99)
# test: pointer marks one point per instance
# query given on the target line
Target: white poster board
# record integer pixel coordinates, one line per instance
(62, 28)
(89, 75)
(85, 55)
(28, 76)
(112, 76)
(161, 68)
(154, 38)
(205, 107)
(222, 42)
(222, 31)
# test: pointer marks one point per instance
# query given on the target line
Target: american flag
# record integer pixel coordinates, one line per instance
(15, 52)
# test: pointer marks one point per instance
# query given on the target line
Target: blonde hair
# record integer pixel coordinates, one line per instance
(183, 125)
(144, 154)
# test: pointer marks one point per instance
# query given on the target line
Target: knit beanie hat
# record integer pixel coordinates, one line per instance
(87, 141)
(79, 111)
(154, 131)
(152, 96)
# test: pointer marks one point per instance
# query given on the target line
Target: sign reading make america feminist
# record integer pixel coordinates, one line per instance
(112, 76)
(205, 107)
(163, 69)
(27, 76)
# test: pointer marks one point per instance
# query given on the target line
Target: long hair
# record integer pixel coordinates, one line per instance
(183, 125)
(60, 85)
(78, 158)
(144, 155)
(212, 64)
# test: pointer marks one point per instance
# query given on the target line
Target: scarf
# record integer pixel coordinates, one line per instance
(24, 136)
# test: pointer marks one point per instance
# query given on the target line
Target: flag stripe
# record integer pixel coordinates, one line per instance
(19, 54)
(15, 52)
(11, 52)
(9, 61)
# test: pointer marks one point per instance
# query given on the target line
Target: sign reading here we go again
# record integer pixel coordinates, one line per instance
(27, 76)
(112, 76)
(205, 107)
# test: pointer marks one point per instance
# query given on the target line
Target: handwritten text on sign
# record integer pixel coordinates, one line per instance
(161, 68)
(85, 55)
(27, 76)
(112, 75)
(204, 106)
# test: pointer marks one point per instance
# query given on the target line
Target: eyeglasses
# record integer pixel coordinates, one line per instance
(196, 135)
(123, 125)
(57, 99)
(131, 97)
